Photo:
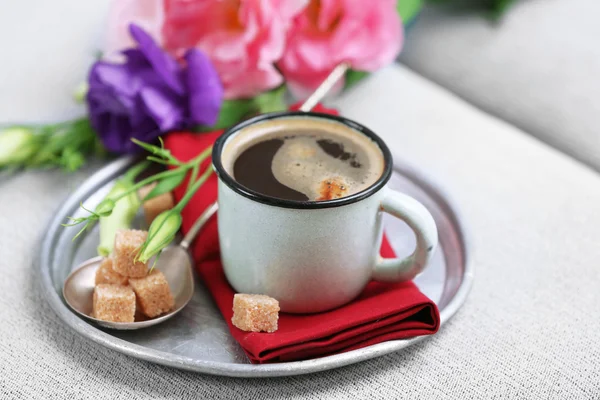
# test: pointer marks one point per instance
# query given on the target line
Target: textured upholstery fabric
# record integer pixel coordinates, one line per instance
(537, 68)
(46, 47)
(529, 328)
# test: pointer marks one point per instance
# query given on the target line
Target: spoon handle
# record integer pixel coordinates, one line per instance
(324, 87)
(191, 235)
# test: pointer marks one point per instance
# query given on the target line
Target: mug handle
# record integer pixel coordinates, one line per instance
(421, 222)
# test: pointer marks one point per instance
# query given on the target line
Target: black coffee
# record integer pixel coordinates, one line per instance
(308, 165)
(253, 169)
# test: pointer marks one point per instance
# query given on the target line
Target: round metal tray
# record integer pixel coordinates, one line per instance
(198, 338)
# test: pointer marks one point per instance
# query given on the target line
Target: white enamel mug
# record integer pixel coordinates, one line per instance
(316, 255)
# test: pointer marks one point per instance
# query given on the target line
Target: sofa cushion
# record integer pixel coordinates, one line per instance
(529, 326)
(537, 68)
(47, 47)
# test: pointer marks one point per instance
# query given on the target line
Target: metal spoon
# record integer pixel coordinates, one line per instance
(174, 262)
(324, 87)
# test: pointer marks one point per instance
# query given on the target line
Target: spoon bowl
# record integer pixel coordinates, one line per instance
(174, 262)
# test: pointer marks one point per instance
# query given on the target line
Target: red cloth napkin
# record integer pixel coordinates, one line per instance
(382, 312)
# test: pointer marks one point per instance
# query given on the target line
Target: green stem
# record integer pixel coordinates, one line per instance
(194, 176)
(193, 189)
(134, 171)
(150, 179)
(195, 162)
(202, 156)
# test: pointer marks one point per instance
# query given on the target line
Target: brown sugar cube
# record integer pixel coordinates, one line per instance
(255, 312)
(106, 274)
(153, 294)
(155, 205)
(114, 303)
(127, 245)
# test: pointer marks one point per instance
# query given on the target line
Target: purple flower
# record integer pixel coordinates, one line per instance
(150, 94)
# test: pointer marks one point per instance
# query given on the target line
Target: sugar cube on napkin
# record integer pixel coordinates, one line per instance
(255, 312)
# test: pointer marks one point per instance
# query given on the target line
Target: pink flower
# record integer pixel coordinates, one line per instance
(366, 34)
(242, 38)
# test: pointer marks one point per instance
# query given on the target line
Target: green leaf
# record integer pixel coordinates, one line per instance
(353, 76)
(157, 160)
(71, 159)
(499, 8)
(167, 184)
(271, 101)
(159, 151)
(494, 9)
(408, 9)
(232, 111)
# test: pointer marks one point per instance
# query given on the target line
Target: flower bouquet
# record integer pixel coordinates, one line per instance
(205, 65)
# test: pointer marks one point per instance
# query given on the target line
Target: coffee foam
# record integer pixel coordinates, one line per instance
(303, 165)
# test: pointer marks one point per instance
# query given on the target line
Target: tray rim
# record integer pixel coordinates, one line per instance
(90, 332)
